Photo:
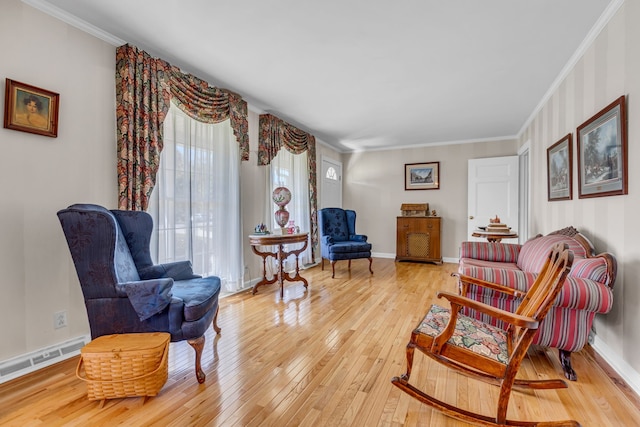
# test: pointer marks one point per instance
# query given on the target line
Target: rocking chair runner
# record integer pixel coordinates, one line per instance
(483, 351)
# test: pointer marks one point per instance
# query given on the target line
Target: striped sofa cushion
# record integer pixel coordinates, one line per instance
(590, 268)
(504, 252)
(535, 251)
(585, 294)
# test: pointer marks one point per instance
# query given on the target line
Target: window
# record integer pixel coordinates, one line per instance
(196, 201)
(332, 174)
(291, 171)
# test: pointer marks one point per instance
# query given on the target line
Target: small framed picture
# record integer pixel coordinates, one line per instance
(602, 152)
(31, 109)
(422, 176)
(559, 170)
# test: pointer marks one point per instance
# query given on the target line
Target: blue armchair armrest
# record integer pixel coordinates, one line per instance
(327, 240)
(358, 237)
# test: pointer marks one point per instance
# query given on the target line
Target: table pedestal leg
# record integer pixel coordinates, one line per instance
(264, 281)
(281, 255)
(281, 268)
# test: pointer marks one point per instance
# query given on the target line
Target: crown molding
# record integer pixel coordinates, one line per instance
(74, 21)
(431, 144)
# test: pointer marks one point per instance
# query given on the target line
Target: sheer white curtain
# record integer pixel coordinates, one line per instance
(195, 204)
(291, 171)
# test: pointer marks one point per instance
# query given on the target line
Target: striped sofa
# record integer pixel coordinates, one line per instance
(586, 292)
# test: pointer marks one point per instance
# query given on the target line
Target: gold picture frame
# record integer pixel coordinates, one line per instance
(31, 109)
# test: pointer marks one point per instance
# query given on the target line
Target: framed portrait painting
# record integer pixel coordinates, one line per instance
(31, 109)
(602, 152)
(559, 170)
(422, 176)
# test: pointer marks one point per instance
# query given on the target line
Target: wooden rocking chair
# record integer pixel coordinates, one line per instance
(485, 352)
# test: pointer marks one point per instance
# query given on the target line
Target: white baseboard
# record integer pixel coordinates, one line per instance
(628, 374)
(382, 255)
(31, 362)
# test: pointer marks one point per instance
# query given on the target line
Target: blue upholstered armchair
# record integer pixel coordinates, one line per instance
(124, 292)
(338, 238)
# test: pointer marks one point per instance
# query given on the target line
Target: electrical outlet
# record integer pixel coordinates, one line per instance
(59, 319)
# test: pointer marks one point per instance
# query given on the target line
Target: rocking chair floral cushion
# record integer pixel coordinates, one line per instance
(472, 334)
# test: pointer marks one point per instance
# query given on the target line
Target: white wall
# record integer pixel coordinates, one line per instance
(41, 175)
(609, 68)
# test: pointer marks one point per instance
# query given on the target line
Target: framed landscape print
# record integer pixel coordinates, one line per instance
(559, 170)
(30, 109)
(602, 152)
(422, 176)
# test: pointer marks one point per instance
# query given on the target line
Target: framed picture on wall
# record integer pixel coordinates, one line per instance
(30, 109)
(559, 170)
(422, 176)
(602, 152)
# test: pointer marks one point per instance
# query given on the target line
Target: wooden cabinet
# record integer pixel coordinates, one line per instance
(418, 239)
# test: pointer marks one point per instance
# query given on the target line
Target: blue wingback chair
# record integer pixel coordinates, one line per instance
(338, 238)
(124, 292)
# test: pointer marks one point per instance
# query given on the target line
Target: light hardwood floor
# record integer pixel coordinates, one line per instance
(320, 357)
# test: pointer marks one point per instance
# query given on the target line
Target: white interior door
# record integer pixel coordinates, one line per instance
(331, 196)
(493, 190)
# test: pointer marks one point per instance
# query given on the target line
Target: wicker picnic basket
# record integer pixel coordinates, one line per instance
(125, 365)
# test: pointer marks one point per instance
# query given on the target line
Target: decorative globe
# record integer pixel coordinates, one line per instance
(282, 217)
(281, 196)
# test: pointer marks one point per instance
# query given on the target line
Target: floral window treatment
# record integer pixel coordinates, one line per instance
(209, 104)
(142, 102)
(144, 89)
(276, 134)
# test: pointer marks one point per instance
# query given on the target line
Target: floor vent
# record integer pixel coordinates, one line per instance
(22, 365)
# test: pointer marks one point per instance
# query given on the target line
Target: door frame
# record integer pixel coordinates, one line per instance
(524, 195)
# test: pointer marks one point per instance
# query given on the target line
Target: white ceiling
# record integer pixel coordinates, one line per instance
(364, 74)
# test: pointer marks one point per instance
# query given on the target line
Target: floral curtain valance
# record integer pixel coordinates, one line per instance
(144, 88)
(210, 104)
(275, 133)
